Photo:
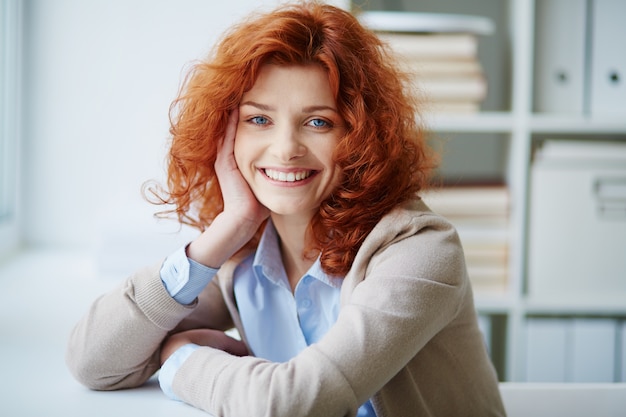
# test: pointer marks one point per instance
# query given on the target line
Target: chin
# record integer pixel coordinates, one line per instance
(290, 210)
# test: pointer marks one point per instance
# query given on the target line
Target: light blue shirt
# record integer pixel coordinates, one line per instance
(263, 296)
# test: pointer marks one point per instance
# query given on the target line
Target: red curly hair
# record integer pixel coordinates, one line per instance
(383, 156)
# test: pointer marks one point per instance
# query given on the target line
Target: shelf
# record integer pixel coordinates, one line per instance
(504, 122)
(583, 305)
(487, 122)
(566, 124)
(487, 303)
(502, 142)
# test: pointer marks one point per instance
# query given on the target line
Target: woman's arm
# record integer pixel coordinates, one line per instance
(117, 344)
(242, 214)
(404, 302)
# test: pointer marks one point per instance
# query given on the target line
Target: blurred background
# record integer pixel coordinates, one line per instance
(87, 88)
(525, 100)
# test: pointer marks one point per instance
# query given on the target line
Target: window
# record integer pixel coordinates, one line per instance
(10, 41)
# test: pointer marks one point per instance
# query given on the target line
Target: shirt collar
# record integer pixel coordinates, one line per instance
(268, 261)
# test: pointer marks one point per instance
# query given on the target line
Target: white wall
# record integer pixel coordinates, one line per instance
(99, 77)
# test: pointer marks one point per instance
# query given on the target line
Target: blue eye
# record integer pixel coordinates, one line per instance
(259, 120)
(319, 123)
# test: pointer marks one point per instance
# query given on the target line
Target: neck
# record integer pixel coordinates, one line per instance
(293, 233)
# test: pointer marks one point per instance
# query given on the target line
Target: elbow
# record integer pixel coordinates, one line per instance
(92, 382)
(87, 374)
(96, 375)
(102, 382)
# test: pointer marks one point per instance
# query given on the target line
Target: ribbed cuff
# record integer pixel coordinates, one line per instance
(154, 300)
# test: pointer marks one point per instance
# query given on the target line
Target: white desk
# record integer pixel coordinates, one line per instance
(42, 295)
(524, 399)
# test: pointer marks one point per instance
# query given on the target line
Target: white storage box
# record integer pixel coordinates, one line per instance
(577, 234)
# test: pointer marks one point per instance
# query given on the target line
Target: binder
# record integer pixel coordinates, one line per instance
(622, 353)
(593, 350)
(547, 342)
(560, 45)
(580, 350)
(608, 58)
(484, 324)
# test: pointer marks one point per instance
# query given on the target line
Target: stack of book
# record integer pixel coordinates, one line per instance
(439, 51)
(481, 217)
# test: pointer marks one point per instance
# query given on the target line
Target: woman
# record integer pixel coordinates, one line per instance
(295, 152)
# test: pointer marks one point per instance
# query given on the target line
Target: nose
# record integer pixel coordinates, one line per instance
(287, 145)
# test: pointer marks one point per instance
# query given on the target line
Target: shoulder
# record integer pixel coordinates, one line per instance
(413, 220)
(412, 240)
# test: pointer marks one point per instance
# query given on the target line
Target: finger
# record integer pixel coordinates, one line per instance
(228, 143)
(224, 160)
(236, 347)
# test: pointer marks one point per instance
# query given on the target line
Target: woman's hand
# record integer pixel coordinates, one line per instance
(202, 337)
(239, 201)
(242, 214)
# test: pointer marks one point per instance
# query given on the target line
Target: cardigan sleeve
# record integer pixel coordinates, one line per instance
(411, 291)
(117, 343)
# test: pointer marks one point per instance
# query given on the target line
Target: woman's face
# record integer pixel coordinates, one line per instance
(287, 132)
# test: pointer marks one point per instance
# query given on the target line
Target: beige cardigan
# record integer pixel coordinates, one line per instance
(406, 337)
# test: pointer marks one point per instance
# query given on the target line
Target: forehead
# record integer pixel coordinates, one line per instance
(287, 83)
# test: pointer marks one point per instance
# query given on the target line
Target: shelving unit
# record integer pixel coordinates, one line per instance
(515, 122)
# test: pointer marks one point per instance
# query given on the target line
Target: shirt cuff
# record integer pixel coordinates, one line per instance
(183, 278)
(171, 366)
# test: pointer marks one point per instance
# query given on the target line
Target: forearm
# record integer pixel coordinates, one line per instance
(242, 214)
(223, 384)
(381, 327)
(221, 240)
(117, 343)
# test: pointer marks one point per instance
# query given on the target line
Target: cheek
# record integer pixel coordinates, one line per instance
(243, 159)
(337, 178)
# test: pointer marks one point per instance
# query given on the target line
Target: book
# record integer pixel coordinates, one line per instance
(449, 89)
(393, 21)
(481, 216)
(469, 201)
(447, 86)
(442, 67)
(488, 279)
(432, 46)
(452, 107)
(487, 253)
(440, 54)
(572, 150)
(486, 249)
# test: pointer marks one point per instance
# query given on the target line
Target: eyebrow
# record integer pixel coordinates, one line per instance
(312, 109)
(260, 106)
(308, 109)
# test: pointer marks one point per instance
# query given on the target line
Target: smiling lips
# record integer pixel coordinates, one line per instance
(287, 176)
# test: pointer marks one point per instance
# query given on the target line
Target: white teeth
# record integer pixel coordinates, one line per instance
(287, 176)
